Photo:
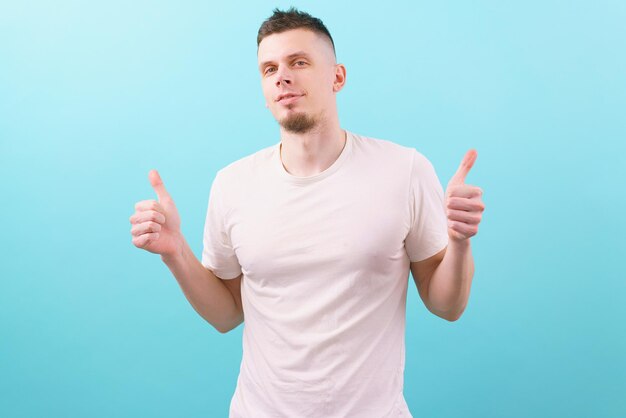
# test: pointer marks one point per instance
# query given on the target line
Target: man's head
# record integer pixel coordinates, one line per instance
(299, 73)
(282, 21)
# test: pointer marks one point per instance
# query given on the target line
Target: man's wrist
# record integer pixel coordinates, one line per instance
(459, 244)
(178, 254)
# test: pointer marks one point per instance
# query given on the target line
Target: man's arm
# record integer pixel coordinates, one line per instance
(156, 228)
(445, 279)
(217, 301)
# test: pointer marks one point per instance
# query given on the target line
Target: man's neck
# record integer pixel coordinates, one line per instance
(305, 155)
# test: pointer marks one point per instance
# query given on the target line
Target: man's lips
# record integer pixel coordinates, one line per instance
(288, 98)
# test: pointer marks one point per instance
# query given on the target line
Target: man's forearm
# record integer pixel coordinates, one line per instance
(450, 283)
(206, 292)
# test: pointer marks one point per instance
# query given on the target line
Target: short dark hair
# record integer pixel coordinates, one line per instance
(293, 18)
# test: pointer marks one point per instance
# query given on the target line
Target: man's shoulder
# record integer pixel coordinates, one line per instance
(251, 164)
(384, 149)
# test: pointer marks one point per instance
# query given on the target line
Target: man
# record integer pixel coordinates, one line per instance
(312, 240)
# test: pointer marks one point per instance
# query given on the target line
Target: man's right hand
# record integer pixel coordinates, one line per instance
(156, 224)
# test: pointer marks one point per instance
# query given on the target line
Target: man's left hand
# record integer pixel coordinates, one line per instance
(464, 204)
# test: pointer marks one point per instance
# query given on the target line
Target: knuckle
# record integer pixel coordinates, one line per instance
(141, 206)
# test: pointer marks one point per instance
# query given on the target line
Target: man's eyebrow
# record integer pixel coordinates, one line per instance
(289, 57)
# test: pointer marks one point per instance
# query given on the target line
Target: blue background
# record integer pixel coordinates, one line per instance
(95, 94)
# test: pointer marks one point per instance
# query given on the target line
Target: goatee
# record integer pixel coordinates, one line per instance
(298, 123)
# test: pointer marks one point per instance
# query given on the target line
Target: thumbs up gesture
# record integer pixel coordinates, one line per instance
(155, 223)
(464, 205)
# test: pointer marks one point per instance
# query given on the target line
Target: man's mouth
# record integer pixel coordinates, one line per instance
(288, 98)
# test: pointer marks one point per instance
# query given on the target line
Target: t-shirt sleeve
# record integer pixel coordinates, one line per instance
(428, 233)
(218, 254)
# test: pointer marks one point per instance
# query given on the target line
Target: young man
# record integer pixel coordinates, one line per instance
(312, 240)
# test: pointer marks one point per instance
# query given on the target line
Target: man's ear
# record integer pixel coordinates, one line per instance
(340, 77)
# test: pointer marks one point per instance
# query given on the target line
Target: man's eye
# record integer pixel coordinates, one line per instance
(300, 63)
(269, 70)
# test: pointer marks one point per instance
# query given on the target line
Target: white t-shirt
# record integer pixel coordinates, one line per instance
(325, 263)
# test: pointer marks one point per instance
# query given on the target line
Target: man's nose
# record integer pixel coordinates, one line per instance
(283, 76)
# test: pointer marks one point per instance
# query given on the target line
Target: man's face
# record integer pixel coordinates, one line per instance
(299, 78)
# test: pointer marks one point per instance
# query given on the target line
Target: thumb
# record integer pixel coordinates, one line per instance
(158, 186)
(464, 168)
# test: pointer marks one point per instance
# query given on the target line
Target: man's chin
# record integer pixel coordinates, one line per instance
(298, 123)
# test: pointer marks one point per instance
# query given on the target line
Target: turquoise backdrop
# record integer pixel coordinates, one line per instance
(95, 94)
